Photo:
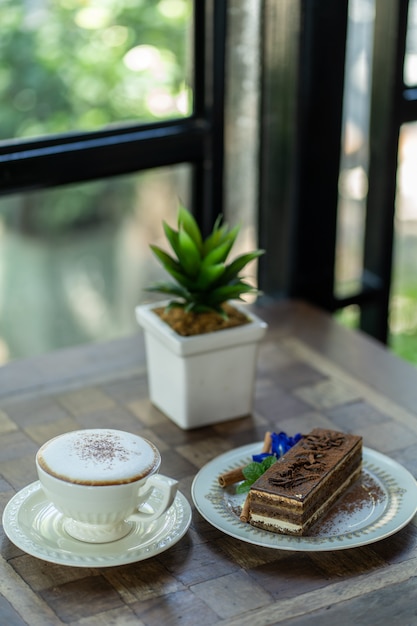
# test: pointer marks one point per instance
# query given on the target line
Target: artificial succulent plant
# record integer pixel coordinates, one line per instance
(203, 280)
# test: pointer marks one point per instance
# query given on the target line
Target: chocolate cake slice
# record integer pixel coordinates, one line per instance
(302, 485)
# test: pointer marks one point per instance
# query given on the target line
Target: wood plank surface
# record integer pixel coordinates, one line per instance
(311, 373)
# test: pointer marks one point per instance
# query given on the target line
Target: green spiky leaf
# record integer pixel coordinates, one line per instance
(203, 280)
(216, 237)
(167, 261)
(170, 289)
(173, 238)
(240, 262)
(223, 235)
(209, 275)
(188, 223)
(189, 256)
(229, 292)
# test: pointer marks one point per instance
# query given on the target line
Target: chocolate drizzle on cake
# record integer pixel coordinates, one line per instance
(308, 464)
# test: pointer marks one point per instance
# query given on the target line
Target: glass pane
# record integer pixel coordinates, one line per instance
(353, 181)
(76, 65)
(410, 61)
(403, 301)
(242, 124)
(74, 261)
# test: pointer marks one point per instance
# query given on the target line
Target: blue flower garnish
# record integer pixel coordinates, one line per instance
(281, 443)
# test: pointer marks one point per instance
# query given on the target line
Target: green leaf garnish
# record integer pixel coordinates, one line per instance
(253, 471)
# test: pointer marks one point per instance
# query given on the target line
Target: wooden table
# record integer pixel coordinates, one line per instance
(311, 373)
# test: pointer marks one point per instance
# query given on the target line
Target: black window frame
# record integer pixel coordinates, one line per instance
(53, 160)
(302, 91)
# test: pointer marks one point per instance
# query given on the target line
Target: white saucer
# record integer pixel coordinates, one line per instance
(35, 526)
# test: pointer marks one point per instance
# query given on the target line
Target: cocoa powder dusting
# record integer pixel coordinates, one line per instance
(363, 500)
(103, 449)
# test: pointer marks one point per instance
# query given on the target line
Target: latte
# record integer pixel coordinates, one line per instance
(99, 457)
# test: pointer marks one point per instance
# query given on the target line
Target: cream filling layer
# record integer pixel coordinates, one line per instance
(281, 524)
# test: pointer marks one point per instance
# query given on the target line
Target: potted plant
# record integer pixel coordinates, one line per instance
(201, 349)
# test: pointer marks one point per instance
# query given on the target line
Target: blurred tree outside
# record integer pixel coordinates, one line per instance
(84, 65)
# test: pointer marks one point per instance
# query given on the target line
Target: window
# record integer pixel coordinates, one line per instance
(285, 156)
(119, 135)
(71, 278)
(339, 90)
(78, 161)
(84, 188)
(353, 178)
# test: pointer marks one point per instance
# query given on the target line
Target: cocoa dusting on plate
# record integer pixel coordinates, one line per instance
(359, 502)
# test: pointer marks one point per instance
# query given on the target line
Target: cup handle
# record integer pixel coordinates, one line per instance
(167, 487)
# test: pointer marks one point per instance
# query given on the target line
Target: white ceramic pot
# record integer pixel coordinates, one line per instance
(203, 379)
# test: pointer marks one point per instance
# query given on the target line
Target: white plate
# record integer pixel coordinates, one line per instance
(382, 502)
(33, 524)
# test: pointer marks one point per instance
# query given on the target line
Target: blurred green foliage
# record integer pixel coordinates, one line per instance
(402, 321)
(84, 65)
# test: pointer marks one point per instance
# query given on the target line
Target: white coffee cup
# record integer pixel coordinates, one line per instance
(101, 481)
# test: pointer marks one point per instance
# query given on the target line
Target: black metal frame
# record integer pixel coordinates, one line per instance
(76, 157)
(301, 141)
(303, 86)
(389, 100)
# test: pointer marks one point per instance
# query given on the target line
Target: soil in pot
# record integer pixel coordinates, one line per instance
(187, 324)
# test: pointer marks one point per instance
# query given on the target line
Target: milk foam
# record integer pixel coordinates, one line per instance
(98, 457)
